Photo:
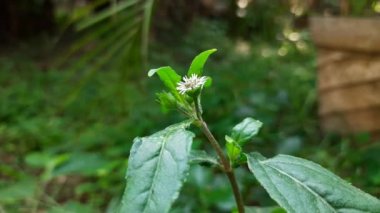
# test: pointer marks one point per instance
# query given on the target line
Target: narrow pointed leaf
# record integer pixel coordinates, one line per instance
(299, 185)
(108, 12)
(198, 63)
(157, 167)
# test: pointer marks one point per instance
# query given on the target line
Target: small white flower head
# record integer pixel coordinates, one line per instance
(191, 83)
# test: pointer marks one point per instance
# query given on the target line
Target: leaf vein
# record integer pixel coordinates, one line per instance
(302, 184)
(149, 197)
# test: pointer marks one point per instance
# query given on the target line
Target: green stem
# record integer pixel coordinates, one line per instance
(223, 159)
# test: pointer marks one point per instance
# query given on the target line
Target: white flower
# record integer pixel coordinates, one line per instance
(190, 83)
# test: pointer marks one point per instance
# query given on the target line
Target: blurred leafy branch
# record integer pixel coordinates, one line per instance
(111, 36)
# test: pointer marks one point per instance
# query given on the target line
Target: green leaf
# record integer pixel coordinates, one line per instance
(38, 159)
(167, 101)
(168, 76)
(271, 209)
(245, 130)
(182, 125)
(81, 163)
(198, 63)
(208, 82)
(18, 191)
(157, 167)
(299, 185)
(233, 149)
(72, 206)
(201, 157)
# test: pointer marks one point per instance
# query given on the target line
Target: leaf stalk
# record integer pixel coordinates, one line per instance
(227, 168)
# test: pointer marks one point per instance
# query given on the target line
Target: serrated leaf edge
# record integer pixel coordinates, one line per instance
(261, 160)
(170, 129)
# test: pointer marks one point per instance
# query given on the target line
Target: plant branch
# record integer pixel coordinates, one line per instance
(224, 161)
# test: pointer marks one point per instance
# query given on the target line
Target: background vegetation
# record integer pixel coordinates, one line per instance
(74, 93)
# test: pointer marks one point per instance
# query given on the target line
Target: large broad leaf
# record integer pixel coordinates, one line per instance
(157, 167)
(198, 63)
(299, 185)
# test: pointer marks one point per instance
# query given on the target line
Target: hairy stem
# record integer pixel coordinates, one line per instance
(223, 159)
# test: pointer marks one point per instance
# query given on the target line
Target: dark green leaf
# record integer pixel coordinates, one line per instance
(157, 166)
(167, 101)
(245, 130)
(208, 82)
(201, 156)
(299, 185)
(198, 63)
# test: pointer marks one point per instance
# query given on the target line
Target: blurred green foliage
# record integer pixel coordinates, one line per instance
(72, 157)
